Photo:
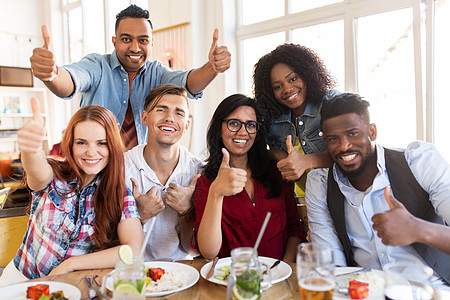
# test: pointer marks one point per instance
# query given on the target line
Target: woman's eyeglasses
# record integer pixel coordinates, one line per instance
(235, 125)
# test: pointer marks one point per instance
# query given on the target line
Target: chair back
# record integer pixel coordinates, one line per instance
(3, 196)
(12, 230)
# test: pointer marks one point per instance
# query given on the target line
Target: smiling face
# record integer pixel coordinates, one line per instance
(168, 120)
(350, 144)
(239, 143)
(133, 43)
(288, 88)
(90, 148)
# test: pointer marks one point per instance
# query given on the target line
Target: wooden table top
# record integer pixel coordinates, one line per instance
(203, 289)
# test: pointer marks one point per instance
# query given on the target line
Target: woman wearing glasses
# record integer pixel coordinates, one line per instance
(239, 186)
(290, 84)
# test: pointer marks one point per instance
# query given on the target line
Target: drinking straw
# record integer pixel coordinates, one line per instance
(261, 232)
(147, 236)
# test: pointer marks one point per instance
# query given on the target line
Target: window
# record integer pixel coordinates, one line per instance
(380, 49)
(385, 60)
(253, 49)
(254, 11)
(327, 40)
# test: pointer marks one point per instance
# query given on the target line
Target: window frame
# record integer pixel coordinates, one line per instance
(349, 11)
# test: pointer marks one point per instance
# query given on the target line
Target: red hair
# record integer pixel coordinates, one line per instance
(108, 198)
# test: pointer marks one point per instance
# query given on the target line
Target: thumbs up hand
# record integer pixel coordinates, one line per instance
(219, 57)
(397, 226)
(43, 61)
(229, 181)
(179, 197)
(31, 135)
(294, 165)
(149, 204)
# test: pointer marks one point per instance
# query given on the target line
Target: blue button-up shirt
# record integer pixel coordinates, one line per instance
(102, 80)
(429, 168)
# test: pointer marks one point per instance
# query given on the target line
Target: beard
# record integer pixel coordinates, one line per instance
(356, 173)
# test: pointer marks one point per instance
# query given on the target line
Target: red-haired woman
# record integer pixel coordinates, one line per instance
(80, 205)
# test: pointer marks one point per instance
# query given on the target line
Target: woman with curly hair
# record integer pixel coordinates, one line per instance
(290, 84)
(81, 207)
(240, 185)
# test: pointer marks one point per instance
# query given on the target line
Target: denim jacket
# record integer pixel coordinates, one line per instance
(308, 128)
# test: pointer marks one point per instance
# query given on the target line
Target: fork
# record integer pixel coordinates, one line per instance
(356, 272)
(92, 293)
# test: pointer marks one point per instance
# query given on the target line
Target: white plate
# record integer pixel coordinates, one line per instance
(168, 266)
(279, 273)
(19, 291)
(342, 280)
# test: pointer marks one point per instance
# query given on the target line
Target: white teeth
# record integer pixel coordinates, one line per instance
(348, 157)
(167, 128)
(92, 161)
(135, 57)
(240, 141)
(292, 96)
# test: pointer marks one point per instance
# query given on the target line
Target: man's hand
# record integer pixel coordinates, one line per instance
(43, 61)
(229, 181)
(396, 227)
(294, 165)
(31, 135)
(179, 197)
(149, 204)
(219, 57)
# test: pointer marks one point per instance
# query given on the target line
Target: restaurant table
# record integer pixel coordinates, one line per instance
(203, 289)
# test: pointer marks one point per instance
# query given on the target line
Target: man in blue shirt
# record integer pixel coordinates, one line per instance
(120, 81)
(347, 205)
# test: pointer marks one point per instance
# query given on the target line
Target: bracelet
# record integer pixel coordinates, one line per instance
(53, 77)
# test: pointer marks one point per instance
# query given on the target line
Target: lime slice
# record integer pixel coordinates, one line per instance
(126, 288)
(126, 254)
(239, 294)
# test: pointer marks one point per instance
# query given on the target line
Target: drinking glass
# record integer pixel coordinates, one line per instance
(246, 280)
(407, 281)
(128, 280)
(315, 272)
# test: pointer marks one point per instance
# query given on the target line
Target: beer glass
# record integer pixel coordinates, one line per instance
(315, 272)
(408, 281)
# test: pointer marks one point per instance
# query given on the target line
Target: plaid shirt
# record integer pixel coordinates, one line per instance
(61, 227)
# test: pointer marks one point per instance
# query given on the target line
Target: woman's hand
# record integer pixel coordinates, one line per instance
(31, 135)
(229, 181)
(294, 165)
(64, 267)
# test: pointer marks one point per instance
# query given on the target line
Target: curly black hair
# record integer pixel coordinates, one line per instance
(305, 62)
(258, 157)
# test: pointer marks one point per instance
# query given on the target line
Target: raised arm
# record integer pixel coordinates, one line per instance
(30, 137)
(43, 64)
(106, 258)
(398, 227)
(229, 181)
(219, 59)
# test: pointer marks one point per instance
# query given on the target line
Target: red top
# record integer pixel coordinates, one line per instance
(241, 221)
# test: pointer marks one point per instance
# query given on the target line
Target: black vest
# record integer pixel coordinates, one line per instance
(406, 189)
